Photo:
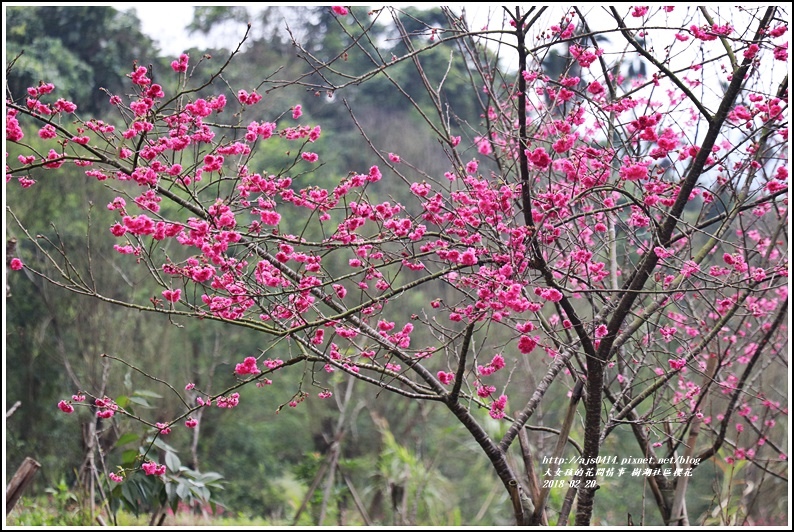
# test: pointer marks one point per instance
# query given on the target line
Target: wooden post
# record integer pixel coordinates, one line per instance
(20, 481)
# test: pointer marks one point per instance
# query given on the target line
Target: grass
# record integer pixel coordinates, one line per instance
(48, 511)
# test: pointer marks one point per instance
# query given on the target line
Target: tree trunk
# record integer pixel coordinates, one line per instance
(20, 481)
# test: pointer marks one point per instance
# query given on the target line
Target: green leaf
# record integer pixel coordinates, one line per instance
(200, 493)
(172, 461)
(182, 491)
(129, 457)
(160, 444)
(129, 498)
(162, 496)
(147, 393)
(122, 401)
(210, 476)
(124, 439)
(145, 495)
(170, 491)
(140, 401)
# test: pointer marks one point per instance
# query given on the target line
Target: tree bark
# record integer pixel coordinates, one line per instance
(20, 481)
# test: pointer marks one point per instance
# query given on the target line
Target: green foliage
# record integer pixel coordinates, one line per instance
(205, 18)
(61, 507)
(255, 449)
(78, 48)
(35, 63)
(419, 492)
(727, 506)
(39, 511)
(150, 493)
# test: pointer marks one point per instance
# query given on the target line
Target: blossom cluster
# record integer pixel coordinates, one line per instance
(588, 211)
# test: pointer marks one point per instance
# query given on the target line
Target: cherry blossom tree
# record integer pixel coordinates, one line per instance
(616, 231)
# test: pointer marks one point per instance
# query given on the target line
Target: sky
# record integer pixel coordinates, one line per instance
(165, 22)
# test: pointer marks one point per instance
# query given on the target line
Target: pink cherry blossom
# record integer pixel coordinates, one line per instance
(172, 295)
(247, 367)
(689, 268)
(526, 344)
(152, 468)
(677, 364)
(445, 377)
(497, 410)
(639, 11)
